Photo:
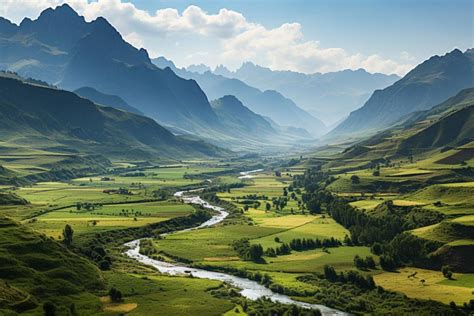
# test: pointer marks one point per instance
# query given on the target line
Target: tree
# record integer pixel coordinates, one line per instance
(329, 273)
(376, 248)
(49, 309)
(115, 295)
(447, 272)
(256, 252)
(68, 232)
(370, 262)
(359, 263)
(355, 179)
(387, 263)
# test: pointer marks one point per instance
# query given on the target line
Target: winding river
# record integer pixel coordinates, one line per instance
(249, 289)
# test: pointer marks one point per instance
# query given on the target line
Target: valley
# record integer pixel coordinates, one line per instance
(129, 201)
(256, 172)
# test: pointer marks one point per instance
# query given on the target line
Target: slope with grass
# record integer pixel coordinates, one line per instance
(38, 269)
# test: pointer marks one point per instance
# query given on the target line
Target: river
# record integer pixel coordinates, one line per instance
(248, 288)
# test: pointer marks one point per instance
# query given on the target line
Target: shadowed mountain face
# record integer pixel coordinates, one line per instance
(330, 96)
(62, 48)
(106, 99)
(269, 103)
(425, 86)
(47, 114)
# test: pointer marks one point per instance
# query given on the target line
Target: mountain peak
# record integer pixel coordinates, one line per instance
(63, 12)
(222, 70)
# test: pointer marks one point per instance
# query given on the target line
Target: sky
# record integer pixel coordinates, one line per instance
(305, 36)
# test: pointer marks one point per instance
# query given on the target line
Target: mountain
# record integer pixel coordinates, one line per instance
(426, 85)
(268, 103)
(201, 68)
(62, 48)
(238, 117)
(106, 99)
(453, 124)
(329, 96)
(47, 115)
(256, 129)
(449, 125)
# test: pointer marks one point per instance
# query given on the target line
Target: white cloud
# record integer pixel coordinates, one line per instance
(238, 40)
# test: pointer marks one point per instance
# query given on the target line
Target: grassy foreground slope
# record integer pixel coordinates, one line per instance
(35, 269)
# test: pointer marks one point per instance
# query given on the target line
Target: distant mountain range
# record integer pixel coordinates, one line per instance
(60, 47)
(269, 103)
(45, 117)
(428, 84)
(330, 96)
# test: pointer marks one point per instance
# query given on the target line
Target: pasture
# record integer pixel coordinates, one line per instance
(435, 287)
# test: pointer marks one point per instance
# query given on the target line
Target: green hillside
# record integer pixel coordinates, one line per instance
(35, 269)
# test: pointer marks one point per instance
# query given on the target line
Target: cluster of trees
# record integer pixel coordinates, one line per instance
(354, 277)
(365, 229)
(364, 264)
(95, 250)
(87, 206)
(301, 244)
(279, 203)
(247, 251)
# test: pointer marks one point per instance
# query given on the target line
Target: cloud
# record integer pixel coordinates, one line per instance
(284, 47)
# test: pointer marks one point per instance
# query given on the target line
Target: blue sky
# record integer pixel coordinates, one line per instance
(308, 36)
(420, 27)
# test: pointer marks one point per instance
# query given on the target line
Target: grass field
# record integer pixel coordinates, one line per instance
(436, 287)
(107, 217)
(168, 295)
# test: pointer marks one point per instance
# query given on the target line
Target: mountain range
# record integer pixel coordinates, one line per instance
(330, 96)
(269, 103)
(428, 84)
(60, 47)
(46, 117)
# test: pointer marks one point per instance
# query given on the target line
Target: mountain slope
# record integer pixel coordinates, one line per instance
(425, 86)
(330, 96)
(269, 103)
(51, 114)
(238, 117)
(453, 124)
(62, 48)
(106, 99)
(447, 125)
